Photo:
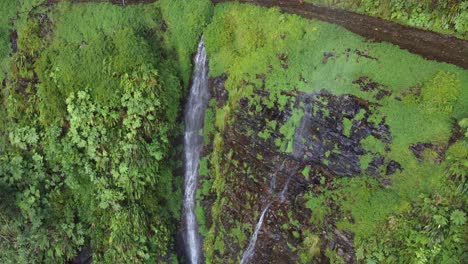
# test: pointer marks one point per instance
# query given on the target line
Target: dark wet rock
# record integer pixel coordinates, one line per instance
(364, 53)
(85, 256)
(283, 57)
(343, 243)
(457, 132)
(218, 91)
(326, 141)
(413, 91)
(385, 181)
(14, 40)
(327, 55)
(393, 167)
(375, 166)
(368, 85)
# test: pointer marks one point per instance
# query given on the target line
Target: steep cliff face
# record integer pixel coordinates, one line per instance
(327, 145)
(324, 132)
(324, 148)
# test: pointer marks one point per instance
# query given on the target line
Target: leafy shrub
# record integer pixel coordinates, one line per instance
(457, 158)
(440, 93)
(431, 232)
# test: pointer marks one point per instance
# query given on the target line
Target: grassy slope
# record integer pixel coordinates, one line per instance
(240, 46)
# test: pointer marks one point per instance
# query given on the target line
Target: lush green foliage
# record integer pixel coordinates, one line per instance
(88, 118)
(7, 9)
(186, 21)
(433, 229)
(91, 111)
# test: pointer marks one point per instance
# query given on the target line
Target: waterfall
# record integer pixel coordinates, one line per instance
(253, 240)
(298, 145)
(193, 144)
(248, 253)
(297, 152)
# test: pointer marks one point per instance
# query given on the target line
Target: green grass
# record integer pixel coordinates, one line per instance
(288, 130)
(209, 122)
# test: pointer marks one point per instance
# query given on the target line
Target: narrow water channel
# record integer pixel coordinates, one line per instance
(193, 144)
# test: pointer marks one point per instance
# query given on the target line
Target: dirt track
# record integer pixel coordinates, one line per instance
(431, 45)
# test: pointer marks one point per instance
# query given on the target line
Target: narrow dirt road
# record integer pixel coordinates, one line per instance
(431, 45)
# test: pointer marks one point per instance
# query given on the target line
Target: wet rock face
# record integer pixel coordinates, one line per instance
(329, 141)
(218, 90)
(330, 144)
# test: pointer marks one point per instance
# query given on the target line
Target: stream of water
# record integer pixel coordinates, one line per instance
(193, 144)
(253, 240)
(297, 150)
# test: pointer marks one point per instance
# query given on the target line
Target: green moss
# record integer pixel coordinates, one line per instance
(306, 172)
(316, 203)
(347, 125)
(365, 160)
(289, 128)
(440, 93)
(93, 46)
(372, 144)
(310, 248)
(201, 220)
(209, 122)
(443, 16)
(8, 12)
(238, 233)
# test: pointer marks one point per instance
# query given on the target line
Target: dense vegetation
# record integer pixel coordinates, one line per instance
(424, 202)
(90, 129)
(90, 111)
(446, 16)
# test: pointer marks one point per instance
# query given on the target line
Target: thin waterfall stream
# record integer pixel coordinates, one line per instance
(297, 150)
(253, 240)
(193, 144)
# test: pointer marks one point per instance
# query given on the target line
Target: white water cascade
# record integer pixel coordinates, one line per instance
(193, 144)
